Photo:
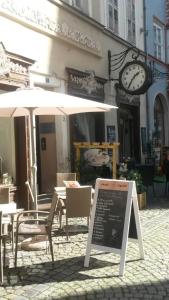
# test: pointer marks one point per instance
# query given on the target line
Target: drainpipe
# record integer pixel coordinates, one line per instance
(146, 60)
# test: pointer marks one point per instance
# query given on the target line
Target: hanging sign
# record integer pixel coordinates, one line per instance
(114, 219)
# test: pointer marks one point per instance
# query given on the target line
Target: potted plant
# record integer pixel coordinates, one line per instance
(141, 189)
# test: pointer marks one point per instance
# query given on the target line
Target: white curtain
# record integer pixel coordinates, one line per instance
(82, 124)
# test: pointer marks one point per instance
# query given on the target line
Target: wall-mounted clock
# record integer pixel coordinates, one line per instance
(135, 77)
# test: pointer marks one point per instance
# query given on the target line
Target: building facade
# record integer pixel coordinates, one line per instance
(63, 46)
(157, 96)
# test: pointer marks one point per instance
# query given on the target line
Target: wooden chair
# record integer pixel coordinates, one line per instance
(34, 225)
(60, 177)
(4, 195)
(77, 204)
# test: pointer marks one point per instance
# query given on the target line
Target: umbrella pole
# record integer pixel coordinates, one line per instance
(33, 154)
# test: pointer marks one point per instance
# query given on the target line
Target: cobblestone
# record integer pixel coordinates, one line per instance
(36, 278)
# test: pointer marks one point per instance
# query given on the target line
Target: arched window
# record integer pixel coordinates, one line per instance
(158, 135)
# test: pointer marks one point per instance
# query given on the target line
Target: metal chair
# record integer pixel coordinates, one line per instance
(166, 172)
(60, 177)
(34, 224)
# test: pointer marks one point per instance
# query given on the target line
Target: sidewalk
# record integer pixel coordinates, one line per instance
(35, 278)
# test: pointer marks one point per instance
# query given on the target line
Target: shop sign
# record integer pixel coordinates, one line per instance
(88, 82)
(96, 157)
(40, 20)
(85, 84)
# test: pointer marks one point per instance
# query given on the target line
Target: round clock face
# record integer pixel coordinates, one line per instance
(135, 77)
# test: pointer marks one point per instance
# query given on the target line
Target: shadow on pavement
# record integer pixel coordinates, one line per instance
(62, 270)
(66, 270)
(153, 291)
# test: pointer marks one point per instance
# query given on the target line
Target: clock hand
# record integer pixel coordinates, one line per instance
(135, 75)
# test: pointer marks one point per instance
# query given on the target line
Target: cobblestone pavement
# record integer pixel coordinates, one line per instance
(36, 278)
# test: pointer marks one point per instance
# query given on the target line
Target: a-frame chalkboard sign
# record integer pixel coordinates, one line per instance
(114, 219)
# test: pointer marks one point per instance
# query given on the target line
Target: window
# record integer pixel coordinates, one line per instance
(77, 4)
(158, 135)
(158, 41)
(82, 5)
(131, 26)
(113, 15)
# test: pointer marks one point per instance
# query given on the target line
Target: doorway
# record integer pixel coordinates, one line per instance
(46, 153)
(129, 132)
(22, 161)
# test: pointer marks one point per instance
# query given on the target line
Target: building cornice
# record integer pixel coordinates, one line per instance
(39, 21)
(42, 21)
(155, 59)
(94, 23)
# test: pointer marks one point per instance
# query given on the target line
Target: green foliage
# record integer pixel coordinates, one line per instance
(89, 174)
(136, 176)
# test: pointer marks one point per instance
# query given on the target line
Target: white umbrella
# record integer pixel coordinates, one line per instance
(36, 101)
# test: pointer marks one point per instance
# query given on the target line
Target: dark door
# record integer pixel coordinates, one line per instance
(46, 153)
(129, 132)
(22, 160)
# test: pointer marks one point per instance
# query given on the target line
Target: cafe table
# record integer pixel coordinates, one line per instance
(7, 212)
(10, 210)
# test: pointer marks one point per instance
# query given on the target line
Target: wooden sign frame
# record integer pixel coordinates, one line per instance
(131, 205)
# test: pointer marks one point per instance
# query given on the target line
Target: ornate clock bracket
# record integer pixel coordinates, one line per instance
(116, 61)
(135, 77)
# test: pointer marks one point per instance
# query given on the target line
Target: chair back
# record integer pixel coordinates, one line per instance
(4, 195)
(60, 177)
(4, 224)
(52, 208)
(147, 173)
(78, 202)
(0, 224)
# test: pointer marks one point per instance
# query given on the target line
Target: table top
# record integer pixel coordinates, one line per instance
(9, 185)
(9, 209)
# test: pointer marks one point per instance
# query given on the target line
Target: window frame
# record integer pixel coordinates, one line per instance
(84, 7)
(76, 6)
(131, 17)
(115, 9)
(158, 45)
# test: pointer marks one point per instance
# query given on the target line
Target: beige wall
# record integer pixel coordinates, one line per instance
(54, 52)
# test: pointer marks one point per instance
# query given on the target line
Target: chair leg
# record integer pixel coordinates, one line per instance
(4, 254)
(12, 232)
(154, 193)
(60, 219)
(67, 231)
(166, 188)
(16, 249)
(51, 246)
(88, 222)
(1, 263)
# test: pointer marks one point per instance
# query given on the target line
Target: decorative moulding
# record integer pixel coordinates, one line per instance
(43, 22)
